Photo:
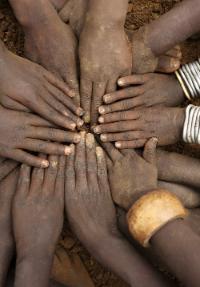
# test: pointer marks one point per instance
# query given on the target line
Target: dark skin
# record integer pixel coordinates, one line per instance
(73, 12)
(22, 132)
(127, 182)
(7, 190)
(163, 34)
(33, 88)
(6, 167)
(176, 168)
(132, 128)
(38, 211)
(56, 53)
(102, 64)
(92, 215)
(143, 90)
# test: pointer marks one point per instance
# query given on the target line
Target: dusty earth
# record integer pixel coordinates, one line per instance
(139, 13)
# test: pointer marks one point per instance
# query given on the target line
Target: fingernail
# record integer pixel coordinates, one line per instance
(118, 145)
(77, 138)
(106, 98)
(97, 130)
(102, 110)
(101, 120)
(80, 112)
(67, 150)
(99, 152)
(175, 64)
(45, 163)
(120, 82)
(90, 141)
(155, 139)
(103, 137)
(65, 114)
(73, 126)
(86, 118)
(54, 163)
(72, 93)
(80, 123)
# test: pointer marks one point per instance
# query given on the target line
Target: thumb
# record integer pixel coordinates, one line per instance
(149, 153)
(66, 11)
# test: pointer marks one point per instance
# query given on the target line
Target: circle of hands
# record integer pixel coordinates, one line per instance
(45, 116)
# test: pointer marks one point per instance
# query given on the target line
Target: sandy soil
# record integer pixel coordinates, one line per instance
(142, 11)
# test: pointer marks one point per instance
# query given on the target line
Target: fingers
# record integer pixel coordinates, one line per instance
(149, 153)
(132, 80)
(60, 179)
(59, 84)
(112, 152)
(130, 144)
(91, 161)
(119, 116)
(122, 94)
(111, 86)
(70, 172)
(37, 177)
(7, 167)
(68, 102)
(45, 147)
(80, 161)
(125, 136)
(123, 105)
(24, 180)
(13, 105)
(120, 126)
(24, 157)
(167, 64)
(53, 134)
(51, 174)
(86, 98)
(37, 121)
(46, 111)
(102, 171)
(97, 100)
(175, 52)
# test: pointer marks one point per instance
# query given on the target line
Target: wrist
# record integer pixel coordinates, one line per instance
(105, 14)
(32, 14)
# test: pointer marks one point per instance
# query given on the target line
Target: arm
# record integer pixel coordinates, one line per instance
(38, 217)
(174, 27)
(178, 168)
(178, 246)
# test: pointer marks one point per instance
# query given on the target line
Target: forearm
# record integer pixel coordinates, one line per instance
(26, 10)
(178, 247)
(6, 253)
(108, 12)
(33, 271)
(174, 27)
(117, 254)
(174, 167)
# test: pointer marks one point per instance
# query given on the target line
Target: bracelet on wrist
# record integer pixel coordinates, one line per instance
(151, 212)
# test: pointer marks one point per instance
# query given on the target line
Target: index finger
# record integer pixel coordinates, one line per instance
(132, 80)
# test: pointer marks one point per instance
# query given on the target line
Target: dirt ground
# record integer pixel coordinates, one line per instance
(139, 13)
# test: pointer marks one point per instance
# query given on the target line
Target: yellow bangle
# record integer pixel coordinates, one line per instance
(183, 86)
(151, 212)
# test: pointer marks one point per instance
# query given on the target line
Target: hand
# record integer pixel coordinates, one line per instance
(7, 190)
(21, 131)
(103, 59)
(6, 167)
(48, 40)
(131, 129)
(144, 60)
(143, 90)
(88, 202)
(131, 175)
(74, 12)
(27, 86)
(38, 208)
